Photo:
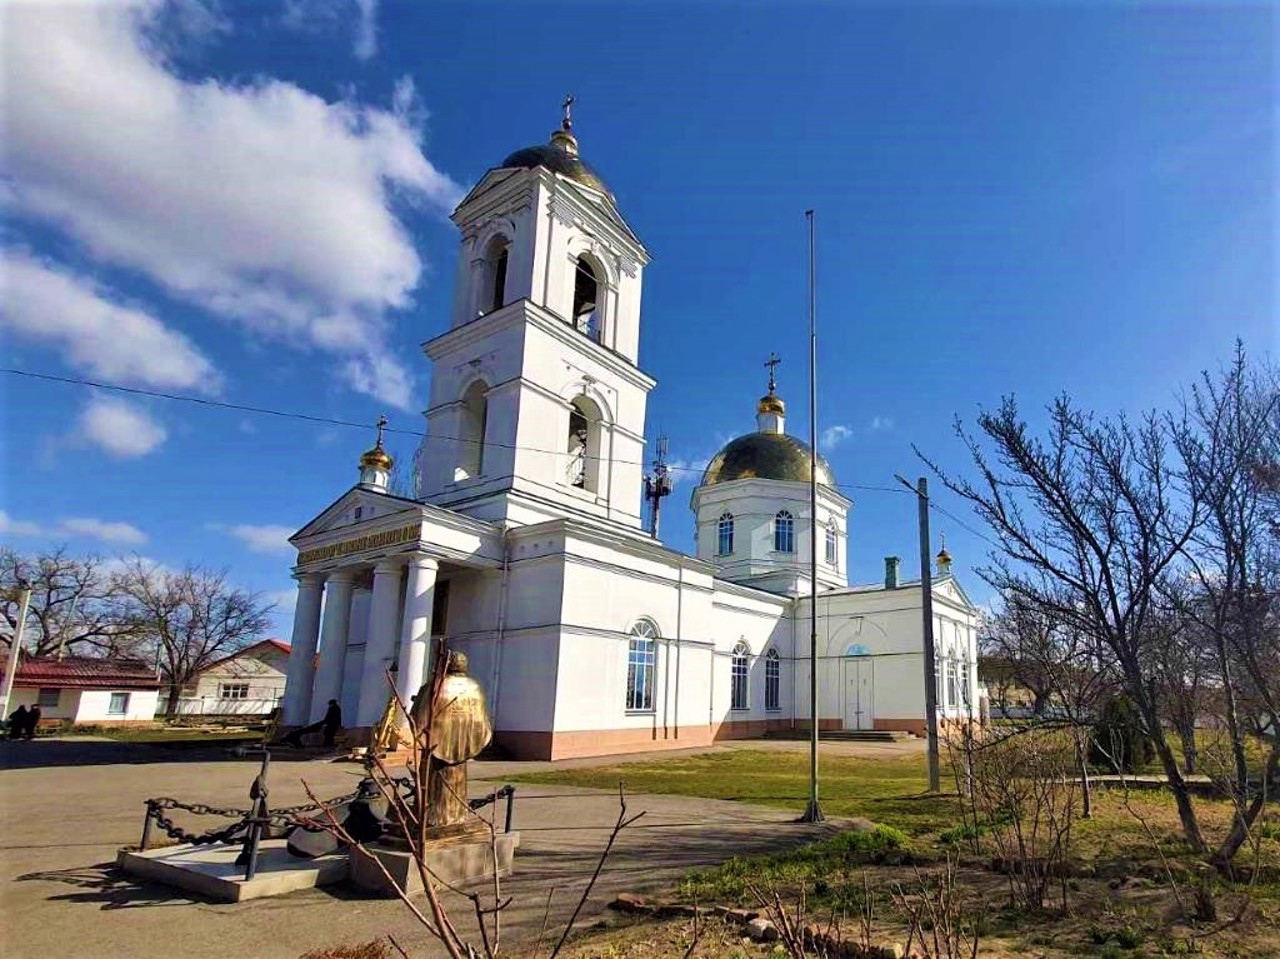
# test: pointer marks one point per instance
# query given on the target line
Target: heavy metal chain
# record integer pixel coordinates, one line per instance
(283, 818)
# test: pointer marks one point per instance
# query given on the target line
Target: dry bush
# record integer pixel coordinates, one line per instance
(1023, 800)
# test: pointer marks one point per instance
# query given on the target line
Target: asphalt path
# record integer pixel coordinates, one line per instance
(67, 806)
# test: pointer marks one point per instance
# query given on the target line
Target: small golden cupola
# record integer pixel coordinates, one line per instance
(771, 412)
(944, 559)
(376, 463)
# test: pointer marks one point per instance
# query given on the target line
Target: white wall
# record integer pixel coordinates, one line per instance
(95, 705)
(263, 669)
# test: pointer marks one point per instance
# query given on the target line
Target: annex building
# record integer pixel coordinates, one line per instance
(524, 546)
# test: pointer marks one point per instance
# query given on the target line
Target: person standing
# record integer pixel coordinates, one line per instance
(332, 722)
(18, 723)
(33, 720)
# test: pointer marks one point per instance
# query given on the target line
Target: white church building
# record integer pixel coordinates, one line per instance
(524, 546)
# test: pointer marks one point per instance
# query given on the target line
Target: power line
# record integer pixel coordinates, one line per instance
(963, 525)
(351, 424)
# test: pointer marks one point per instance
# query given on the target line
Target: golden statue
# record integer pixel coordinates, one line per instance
(460, 729)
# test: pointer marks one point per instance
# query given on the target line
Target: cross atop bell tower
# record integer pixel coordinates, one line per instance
(536, 394)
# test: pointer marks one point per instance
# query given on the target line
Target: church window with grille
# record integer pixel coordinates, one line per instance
(724, 535)
(833, 541)
(642, 657)
(739, 669)
(772, 681)
(784, 533)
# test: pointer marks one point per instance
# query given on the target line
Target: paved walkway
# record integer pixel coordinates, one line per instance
(63, 817)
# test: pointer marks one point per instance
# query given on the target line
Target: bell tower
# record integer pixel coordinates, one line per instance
(537, 405)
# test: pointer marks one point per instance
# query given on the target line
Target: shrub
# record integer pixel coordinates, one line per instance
(872, 842)
(1120, 739)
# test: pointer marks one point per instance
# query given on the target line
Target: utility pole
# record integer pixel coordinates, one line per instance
(15, 649)
(657, 485)
(814, 811)
(921, 489)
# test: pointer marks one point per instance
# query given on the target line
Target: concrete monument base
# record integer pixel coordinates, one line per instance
(211, 870)
(454, 862)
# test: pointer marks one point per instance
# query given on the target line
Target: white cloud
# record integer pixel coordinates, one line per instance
(366, 45)
(96, 334)
(260, 539)
(123, 429)
(833, 436)
(881, 423)
(98, 529)
(110, 532)
(258, 200)
(17, 527)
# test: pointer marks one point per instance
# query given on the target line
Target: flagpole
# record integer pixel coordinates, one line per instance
(814, 811)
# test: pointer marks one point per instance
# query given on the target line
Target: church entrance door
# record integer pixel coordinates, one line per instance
(859, 692)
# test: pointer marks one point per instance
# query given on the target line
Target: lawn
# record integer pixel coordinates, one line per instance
(1121, 903)
(180, 736)
(890, 791)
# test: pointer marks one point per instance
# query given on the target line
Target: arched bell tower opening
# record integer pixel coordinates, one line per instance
(473, 424)
(495, 274)
(588, 298)
(582, 445)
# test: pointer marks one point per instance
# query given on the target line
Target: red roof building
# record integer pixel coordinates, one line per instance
(85, 689)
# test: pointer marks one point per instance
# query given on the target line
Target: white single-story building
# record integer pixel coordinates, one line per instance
(247, 683)
(523, 544)
(84, 689)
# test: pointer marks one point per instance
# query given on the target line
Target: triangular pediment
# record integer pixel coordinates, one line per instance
(357, 505)
(490, 179)
(950, 587)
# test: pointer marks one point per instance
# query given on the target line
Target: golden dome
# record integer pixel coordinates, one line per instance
(559, 156)
(772, 403)
(377, 458)
(771, 456)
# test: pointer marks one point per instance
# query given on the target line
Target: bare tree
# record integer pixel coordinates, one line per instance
(188, 618)
(1234, 560)
(72, 609)
(1088, 522)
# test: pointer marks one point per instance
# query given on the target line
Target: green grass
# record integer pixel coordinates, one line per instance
(887, 791)
(175, 735)
(826, 867)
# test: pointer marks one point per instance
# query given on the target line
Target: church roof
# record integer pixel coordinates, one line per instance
(557, 159)
(772, 456)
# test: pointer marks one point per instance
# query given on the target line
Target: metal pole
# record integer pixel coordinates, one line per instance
(15, 649)
(921, 489)
(814, 811)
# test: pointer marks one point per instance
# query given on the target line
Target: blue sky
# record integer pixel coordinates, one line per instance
(248, 202)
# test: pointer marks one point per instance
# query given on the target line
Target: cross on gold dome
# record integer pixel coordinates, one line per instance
(772, 363)
(567, 106)
(382, 425)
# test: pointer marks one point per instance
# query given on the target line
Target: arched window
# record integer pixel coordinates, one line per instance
(582, 444)
(724, 535)
(473, 421)
(784, 533)
(772, 681)
(833, 540)
(642, 656)
(738, 671)
(586, 299)
(493, 291)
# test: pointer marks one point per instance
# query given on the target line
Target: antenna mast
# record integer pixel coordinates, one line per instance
(657, 485)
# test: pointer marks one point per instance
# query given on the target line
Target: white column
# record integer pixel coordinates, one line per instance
(415, 634)
(333, 642)
(380, 644)
(301, 671)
